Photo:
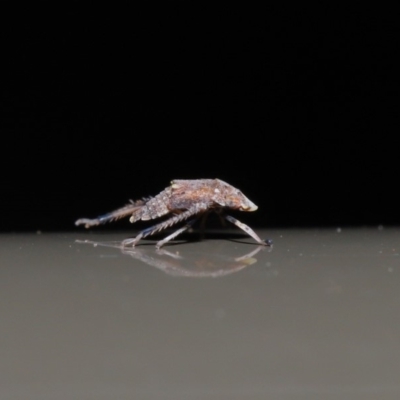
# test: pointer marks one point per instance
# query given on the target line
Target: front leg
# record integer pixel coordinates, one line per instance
(248, 230)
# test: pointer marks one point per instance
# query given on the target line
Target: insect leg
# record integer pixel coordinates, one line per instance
(133, 241)
(175, 234)
(113, 215)
(204, 220)
(165, 224)
(247, 229)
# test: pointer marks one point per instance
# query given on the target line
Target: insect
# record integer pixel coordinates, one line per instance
(183, 199)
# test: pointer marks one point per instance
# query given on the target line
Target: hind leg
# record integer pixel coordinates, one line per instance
(175, 234)
(163, 225)
(129, 209)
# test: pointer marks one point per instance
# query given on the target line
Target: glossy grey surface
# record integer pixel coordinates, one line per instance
(315, 317)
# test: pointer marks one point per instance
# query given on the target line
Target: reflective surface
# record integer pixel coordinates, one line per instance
(315, 317)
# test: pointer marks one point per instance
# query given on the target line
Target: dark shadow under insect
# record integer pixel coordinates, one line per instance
(183, 199)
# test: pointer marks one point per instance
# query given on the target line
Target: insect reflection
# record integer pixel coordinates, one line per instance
(198, 264)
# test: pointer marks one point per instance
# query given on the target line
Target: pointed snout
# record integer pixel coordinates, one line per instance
(249, 206)
(253, 207)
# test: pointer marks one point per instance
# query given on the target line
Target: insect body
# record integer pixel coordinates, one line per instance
(183, 199)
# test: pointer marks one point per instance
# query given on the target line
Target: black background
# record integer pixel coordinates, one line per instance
(296, 107)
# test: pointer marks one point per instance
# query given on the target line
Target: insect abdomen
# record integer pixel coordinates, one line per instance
(156, 207)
